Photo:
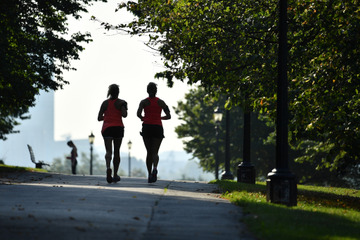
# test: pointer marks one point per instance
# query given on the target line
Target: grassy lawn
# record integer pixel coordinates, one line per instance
(321, 212)
(8, 168)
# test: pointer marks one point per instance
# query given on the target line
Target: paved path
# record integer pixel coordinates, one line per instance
(54, 206)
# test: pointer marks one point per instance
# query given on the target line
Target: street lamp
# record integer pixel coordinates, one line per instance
(281, 183)
(227, 174)
(91, 141)
(246, 171)
(129, 147)
(217, 118)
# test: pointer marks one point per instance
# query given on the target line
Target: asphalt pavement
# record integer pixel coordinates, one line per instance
(57, 206)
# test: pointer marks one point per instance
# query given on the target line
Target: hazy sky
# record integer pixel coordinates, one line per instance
(112, 58)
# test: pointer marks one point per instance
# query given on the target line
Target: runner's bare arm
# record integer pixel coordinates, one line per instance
(166, 109)
(102, 110)
(140, 109)
(124, 108)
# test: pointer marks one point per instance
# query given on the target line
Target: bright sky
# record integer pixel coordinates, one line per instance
(112, 58)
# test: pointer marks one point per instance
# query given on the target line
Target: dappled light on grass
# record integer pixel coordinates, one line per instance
(7, 168)
(321, 213)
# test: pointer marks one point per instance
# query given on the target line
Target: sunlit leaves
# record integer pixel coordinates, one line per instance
(34, 52)
(230, 48)
(324, 58)
(211, 42)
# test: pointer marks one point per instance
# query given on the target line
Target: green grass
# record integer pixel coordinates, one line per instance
(9, 169)
(321, 212)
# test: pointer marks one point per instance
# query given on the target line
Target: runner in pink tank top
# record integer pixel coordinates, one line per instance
(152, 112)
(111, 112)
(152, 130)
(112, 116)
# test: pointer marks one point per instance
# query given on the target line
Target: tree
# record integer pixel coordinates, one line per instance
(325, 101)
(230, 47)
(198, 132)
(227, 46)
(34, 52)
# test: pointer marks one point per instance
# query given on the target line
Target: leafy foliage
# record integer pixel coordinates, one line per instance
(230, 48)
(199, 134)
(226, 45)
(34, 52)
(325, 101)
(199, 138)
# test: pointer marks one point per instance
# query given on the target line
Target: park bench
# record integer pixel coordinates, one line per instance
(38, 164)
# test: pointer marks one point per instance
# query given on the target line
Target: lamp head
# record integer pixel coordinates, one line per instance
(217, 115)
(91, 138)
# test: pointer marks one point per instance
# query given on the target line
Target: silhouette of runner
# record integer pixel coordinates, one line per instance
(112, 111)
(73, 156)
(152, 129)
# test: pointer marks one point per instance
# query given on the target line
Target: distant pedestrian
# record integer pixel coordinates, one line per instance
(73, 156)
(111, 112)
(152, 129)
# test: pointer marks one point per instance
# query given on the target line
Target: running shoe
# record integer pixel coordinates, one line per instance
(154, 175)
(109, 179)
(116, 178)
(150, 179)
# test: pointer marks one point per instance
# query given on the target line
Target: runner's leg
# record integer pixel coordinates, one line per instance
(149, 162)
(108, 154)
(155, 146)
(116, 159)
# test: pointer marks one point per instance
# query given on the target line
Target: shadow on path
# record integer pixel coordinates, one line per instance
(56, 206)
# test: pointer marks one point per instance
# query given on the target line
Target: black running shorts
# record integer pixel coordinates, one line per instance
(152, 131)
(113, 132)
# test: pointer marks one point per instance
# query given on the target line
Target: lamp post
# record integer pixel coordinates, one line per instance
(281, 183)
(129, 147)
(91, 141)
(217, 118)
(246, 171)
(227, 174)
